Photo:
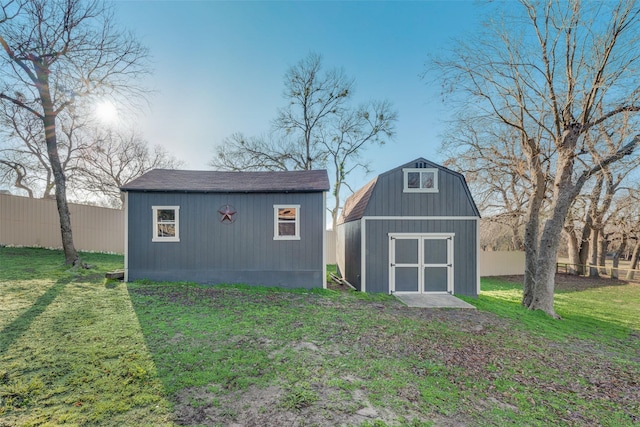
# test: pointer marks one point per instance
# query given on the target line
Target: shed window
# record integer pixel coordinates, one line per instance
(286, 222)
(166, 223)
(420, 180)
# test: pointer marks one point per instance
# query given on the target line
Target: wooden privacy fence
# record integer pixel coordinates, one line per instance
(35, 222)
(605, 270)
(501, 263)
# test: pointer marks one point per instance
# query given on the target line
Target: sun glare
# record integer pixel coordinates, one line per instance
(106, 112)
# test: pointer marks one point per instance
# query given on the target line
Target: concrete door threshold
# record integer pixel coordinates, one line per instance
(432, 301)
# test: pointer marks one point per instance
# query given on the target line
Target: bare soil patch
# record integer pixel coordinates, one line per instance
(570, 282)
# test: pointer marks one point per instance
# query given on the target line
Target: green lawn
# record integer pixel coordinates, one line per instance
(78, 350)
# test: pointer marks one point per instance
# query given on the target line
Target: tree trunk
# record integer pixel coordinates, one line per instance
(574, 253)
(531, 251)
(532, 227)
(603, 246)
(564, 192)
(49, 120)
(593, 252)
(616, 257)
(584, 246)
(336, 206)
(546, 265)
(634, 260)
(516, 240)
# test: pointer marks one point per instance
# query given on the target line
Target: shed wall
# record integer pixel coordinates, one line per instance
(210, 251)
(388, 198)
(464, 257)
(350, 270)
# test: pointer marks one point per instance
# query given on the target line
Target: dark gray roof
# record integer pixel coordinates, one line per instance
(230, 182)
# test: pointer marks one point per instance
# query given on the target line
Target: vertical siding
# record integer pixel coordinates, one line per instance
(464, 257)
(331, 247)
(213, 252)
(388, 198)
(350, 234)
(35, 222)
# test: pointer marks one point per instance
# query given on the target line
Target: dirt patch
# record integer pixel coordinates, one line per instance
(572, 283)
(267, 406)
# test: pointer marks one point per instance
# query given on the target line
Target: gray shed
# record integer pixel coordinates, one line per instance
(257, 228)
(413, 229)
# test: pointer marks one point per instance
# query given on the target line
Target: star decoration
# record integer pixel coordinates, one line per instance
(227, 212)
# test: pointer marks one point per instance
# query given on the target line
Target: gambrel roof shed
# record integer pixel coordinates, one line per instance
(411, 229)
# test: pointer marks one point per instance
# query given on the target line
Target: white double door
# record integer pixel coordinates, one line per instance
(421, 263)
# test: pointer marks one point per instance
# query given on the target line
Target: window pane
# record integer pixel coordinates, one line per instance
(166, 215)
(166, 230)
(287, 229)
(427, 179)
(413, 180)
(286, 214)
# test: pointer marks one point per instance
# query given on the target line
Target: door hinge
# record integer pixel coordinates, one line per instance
(393, 265)
(449, 265)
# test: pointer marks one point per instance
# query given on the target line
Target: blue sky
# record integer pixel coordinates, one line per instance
(219, 66)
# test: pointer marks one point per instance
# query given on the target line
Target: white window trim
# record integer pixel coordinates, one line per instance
(154, 232)
(276, 236)
(406, 172)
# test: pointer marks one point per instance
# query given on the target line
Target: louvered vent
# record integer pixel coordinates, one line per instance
(421, 165)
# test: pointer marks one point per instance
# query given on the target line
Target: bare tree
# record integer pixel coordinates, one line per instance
(115, 158)
(585, 230)
(28, 154)
(552, 74)
(56, 52)
(620, 235)
(495, 170)
(343, 143)
(239, 152)
(631, 211)
(317, 128)
(315, 99)
(16, 174)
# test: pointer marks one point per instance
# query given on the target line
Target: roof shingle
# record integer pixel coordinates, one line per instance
(230, 182)
(355, 204)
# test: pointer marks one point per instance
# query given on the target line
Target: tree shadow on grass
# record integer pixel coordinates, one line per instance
(14, 330)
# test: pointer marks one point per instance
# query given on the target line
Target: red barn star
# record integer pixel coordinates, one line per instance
(227, 213)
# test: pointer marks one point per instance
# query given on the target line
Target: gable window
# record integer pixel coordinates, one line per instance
(286, 222)
(420, 180)
(166, 224)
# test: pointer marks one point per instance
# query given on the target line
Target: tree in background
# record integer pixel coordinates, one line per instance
(317, 128)
(55, 53)
(630, 211)
(115, 158)
(25, 159)
(552, 75)
(496, 171)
